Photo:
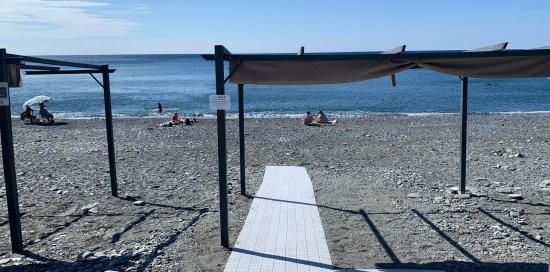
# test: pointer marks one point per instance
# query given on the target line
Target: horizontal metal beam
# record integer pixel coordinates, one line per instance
(55, 62)
(40, 67)
(14, 60)
(67, 72)
(407, 55)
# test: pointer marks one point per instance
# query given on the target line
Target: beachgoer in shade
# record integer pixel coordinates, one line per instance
(28, 114)
(321, 118)
(159, 108)
(308, 120)
(45, 114)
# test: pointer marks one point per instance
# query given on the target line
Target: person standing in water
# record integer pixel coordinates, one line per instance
(159, 108)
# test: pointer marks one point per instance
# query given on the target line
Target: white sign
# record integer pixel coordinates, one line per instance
(4, 94)
(219, 102)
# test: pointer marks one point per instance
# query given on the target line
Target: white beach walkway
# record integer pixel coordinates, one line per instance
(283, 230)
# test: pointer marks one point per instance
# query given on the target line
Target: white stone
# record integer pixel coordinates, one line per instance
(413, 195)
(515, 196)
(88, 207)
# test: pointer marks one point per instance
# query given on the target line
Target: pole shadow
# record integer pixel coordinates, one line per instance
(536, 204)
(514, 228)
(283, 258)
(116, 237)
(49, 264)
(171, 239)
(380, 238)
(463, 266)
(446, 237)
(58, 229)
(185, 209)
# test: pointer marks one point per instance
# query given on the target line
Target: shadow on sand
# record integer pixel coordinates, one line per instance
(62, 227)
(106, 262)
(514, 228)
(469, 266)
(536, 204)
(116, 237)
(474, 265)
(49, 264)
(186, 209)
(47, 125)
(170, 240)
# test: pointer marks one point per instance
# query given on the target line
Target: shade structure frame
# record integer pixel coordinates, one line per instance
(8, 157)
(421, 59)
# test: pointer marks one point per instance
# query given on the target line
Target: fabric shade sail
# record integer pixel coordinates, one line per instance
(313, 69)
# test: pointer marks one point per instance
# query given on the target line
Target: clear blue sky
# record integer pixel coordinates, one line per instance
(195, 26)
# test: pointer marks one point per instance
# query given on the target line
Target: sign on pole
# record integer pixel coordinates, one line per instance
(219, 102)
(4, 94)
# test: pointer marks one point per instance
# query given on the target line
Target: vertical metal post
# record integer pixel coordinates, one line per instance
(8, 160)
(241, 139)
(222, 150)
(109, 124)
(464, 125)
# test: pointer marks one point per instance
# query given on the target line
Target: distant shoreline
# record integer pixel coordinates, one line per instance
(269, 115)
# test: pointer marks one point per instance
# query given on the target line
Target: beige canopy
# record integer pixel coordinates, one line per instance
(309, 69)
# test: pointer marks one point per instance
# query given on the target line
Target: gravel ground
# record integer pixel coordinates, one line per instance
(383, 184)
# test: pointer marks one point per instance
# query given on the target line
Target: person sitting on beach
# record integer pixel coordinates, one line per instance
(321, 118)
(28, 114)
(308, 120)
(45, 114)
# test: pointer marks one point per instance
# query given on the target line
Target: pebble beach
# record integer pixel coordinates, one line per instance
(385, 186)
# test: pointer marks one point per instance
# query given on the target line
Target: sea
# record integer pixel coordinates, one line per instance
(183, 83)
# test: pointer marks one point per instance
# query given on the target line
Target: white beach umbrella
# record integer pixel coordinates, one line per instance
(37, 100)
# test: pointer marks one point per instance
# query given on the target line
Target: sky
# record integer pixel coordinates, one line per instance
(46, 27)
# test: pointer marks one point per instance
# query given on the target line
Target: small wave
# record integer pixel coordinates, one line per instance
(521, 112)
(273, 115)
(428, 113)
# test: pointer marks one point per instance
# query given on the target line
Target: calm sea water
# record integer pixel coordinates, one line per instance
(183, 83)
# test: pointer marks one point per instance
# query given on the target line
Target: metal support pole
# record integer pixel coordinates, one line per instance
(8, 160)
(241, 139)
(464, 125)
(222, 150)
(109, 124)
